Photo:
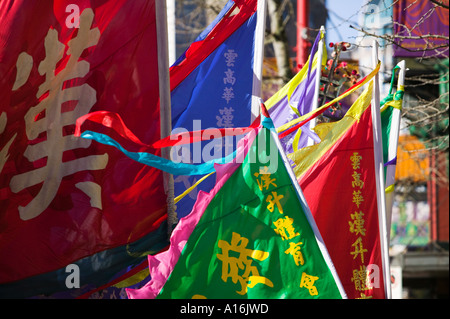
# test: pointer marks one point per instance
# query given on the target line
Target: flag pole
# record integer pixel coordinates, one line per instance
(379, 174)
(317, 80)
(171, 31)
(258, 58)
(164, 104)
(393, 145)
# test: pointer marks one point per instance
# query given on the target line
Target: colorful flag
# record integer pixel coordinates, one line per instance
(68, 207)
(296, 124)
(296, 99)
(392, 102)
(391, 107)
(214, 85)
(252, 236)
(337, 177)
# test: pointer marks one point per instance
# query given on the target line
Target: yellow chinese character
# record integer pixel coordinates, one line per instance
(359, 250)
(294, 250)
(285, 229)
(357, 226)
(307, 282)
(355, 158)
(363, 296)
(275, 200)
(357, 198)
(361, 279)
(264, 180)
(232, 265)
(357, 182)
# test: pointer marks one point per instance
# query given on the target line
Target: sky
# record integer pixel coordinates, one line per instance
(338, 11)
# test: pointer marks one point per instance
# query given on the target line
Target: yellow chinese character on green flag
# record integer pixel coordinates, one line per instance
(274, 200)
(264, 180)
(284, 228)
(231, 265)
(307, 281)
(294, 250)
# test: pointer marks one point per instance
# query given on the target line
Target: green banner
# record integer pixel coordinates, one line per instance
(253, 240)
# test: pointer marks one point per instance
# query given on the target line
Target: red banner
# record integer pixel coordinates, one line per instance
(341, 192)
(64, 198)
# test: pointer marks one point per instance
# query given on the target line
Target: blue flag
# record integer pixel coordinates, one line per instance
(212, 86)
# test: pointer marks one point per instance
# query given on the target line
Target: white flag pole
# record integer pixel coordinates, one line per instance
(164, 105)
(393, 145)
(379, 174)
(258, 58)
(171, 31)
(317, 79)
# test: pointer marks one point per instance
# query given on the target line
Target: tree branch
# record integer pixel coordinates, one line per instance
(440, 4)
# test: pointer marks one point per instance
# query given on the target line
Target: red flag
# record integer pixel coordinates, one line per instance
(337, 177)
(64, 199)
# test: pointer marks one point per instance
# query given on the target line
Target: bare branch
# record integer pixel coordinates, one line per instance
(440, 4)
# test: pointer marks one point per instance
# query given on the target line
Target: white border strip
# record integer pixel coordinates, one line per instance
(379, 175)
(317, 80)
(258, 58)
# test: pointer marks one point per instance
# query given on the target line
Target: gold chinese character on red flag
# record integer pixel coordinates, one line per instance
(357, 226)
(355, 158)
(361, 279)
(357, 182)
(357, 198)
(359, 250)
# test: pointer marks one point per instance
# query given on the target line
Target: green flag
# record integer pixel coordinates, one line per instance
(255, 239)
(388, 105)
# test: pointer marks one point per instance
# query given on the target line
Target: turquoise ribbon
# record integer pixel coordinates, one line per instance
(159, 162)
(167, 165)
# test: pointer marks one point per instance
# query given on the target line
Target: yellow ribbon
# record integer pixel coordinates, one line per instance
(340, 97)
(187, 191)
(389, 189)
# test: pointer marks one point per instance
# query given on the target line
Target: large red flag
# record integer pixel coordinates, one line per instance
(337, 177)
(63, 199)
